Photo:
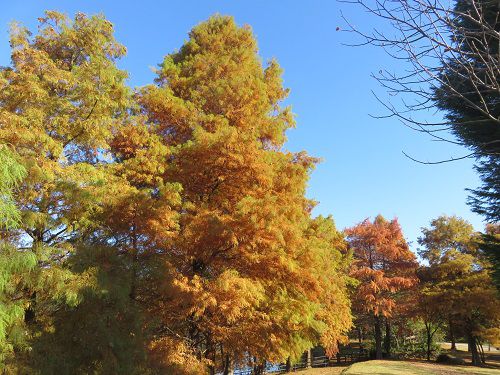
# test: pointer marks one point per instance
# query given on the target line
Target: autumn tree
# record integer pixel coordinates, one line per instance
(462, 287)
(446, 233)
(169, 233)
(249, 276)
(429, 308)
(14, 265)
(384, 266)
(62, 100)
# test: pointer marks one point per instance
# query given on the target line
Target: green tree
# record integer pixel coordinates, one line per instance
(103, 333)
(15, 266)
(429, 308)
(63, 98)
(11, 173)
(490, 245)
(461, 280)
(474, 115)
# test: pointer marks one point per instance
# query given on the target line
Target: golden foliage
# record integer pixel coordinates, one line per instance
(250, 272)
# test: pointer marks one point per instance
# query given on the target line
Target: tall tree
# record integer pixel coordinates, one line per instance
(178, 225)
(14, 266)
(474, 115)
(429, 308)
(250, 276)
(384, 266)
(490, 245)
(62, 100)
(462, 284)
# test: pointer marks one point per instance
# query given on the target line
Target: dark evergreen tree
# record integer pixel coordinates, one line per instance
(472, 106)
(490, 245)
(474, 114)
(451, 51)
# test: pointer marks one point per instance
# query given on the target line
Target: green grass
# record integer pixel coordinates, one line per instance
(384, 367)
(321, 371)
(413, 368)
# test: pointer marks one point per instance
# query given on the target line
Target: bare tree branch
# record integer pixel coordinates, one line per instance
(439, 53)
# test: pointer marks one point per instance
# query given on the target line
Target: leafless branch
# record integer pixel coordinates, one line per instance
(429, 38)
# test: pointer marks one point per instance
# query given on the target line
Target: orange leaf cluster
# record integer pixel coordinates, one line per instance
(383, 264)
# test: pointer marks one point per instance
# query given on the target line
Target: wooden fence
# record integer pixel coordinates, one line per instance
(346, 355)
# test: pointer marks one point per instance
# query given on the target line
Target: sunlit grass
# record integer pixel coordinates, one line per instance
(413, 368)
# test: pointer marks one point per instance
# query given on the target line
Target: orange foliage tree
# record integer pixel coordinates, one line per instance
(384, 266)
(173, 220)
(248, 275)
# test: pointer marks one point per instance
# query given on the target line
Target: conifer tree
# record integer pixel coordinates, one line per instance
(383, 265)
(249, 276)
(177, 224)
(468, 95)
(462, 282)
(14, 266)
(62, 100)
(490, 245)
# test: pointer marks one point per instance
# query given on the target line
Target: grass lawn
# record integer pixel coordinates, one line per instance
(413, 368)
(399, 368)
(337, 370)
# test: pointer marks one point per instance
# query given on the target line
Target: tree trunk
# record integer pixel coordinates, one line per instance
(481, 351)
(360, 337)
(134, 260)
(429, 340)
(387, 338)
(378, 337)
(476, 359)
(398, 345)
(452, 336)
(210, 352)
(228, 366)
(308, 358)
(258, 369)
(29, 312)
(288, 365)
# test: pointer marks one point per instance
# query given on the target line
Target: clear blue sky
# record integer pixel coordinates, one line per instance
(363, 172)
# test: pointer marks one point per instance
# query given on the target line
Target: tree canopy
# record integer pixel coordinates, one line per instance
(460, 289)
(383, 265)
(166, 229)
